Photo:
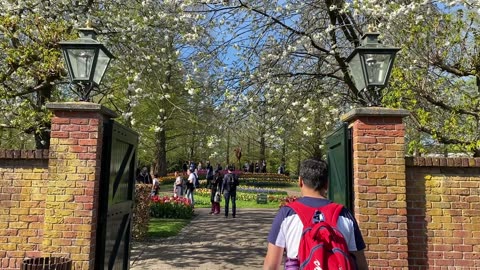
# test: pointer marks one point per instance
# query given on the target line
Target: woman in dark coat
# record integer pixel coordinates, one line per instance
(214, 184)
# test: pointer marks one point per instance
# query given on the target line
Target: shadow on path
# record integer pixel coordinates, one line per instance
(210, 242)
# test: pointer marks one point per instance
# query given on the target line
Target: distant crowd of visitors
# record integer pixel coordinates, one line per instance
(220, 185)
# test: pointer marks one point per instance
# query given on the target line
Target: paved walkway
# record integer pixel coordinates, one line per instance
(210, 242)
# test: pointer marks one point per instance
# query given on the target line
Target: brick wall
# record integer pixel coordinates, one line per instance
(23, 177)
(49, 199)
(443, 207)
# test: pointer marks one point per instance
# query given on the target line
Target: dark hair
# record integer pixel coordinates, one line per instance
(156, 175)
(314, 174)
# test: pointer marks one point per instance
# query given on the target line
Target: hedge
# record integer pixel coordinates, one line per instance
(141, 211)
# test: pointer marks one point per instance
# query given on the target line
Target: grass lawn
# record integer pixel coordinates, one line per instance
(164, 227)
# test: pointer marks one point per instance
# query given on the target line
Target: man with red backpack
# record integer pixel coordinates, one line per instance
(314, 232)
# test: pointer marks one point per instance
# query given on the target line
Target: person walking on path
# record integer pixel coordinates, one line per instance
(215, 186)
(155, 185)
(178, 185)
(287, 227)
(144, 177)
(191, 186)
(229, 191)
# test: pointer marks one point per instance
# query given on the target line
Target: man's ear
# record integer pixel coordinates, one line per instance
(300, 181)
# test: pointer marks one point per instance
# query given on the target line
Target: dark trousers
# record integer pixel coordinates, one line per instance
(233, 197)
(215, 208)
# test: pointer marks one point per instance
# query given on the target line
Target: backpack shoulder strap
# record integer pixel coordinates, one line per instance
(331, 212)
(304, 212)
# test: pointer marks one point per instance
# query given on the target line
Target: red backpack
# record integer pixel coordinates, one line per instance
(322, 245)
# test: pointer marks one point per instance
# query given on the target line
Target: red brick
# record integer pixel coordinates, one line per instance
(79, 135)
(59, 134)
(78, 149)
(377, 189)
(377, 161)
(79, 121)
(366, 140)
(87, 156)
(94, 122)
(87, 142)
(83, 199)
(88, 128)
(60, 120)
(70, 128)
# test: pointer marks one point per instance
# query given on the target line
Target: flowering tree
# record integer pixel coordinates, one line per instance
(296, 51)
(437, 77)
(31, 69)
(274, 68)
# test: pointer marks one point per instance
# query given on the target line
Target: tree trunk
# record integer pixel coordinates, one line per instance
(228, 147)
(42, 132)
(284, 149)
(162, 153)
(262, 145)
(192, 146)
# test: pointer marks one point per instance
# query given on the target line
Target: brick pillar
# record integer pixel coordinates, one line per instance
(71, 205)
(379, 184)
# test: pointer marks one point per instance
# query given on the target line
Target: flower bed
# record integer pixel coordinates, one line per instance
(266, 182)
(243, 196)
(253, 189)
(170, 207)
(263, 179)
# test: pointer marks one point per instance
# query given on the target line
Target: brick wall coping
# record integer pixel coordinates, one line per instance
(373, 111)
(24, 154)
(461, 162)
(81, 106)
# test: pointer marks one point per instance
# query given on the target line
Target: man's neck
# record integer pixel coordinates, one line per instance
(313, 193)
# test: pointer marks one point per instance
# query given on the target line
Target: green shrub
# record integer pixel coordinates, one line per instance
(170, 207)
(141, 211)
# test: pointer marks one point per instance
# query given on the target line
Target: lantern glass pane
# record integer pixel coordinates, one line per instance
(102, 64)
(377, 66)
(356, 72)
(81, 61)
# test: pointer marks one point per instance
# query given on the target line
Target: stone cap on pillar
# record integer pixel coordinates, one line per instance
(81, 106)
(373, 112)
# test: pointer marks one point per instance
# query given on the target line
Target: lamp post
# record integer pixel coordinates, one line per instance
(370, 65)
(86, 60)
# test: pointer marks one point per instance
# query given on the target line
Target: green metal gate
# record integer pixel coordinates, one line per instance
(117, 189)
(340, 171)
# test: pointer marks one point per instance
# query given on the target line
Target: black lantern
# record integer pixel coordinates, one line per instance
(370, 65)
(86, 60)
